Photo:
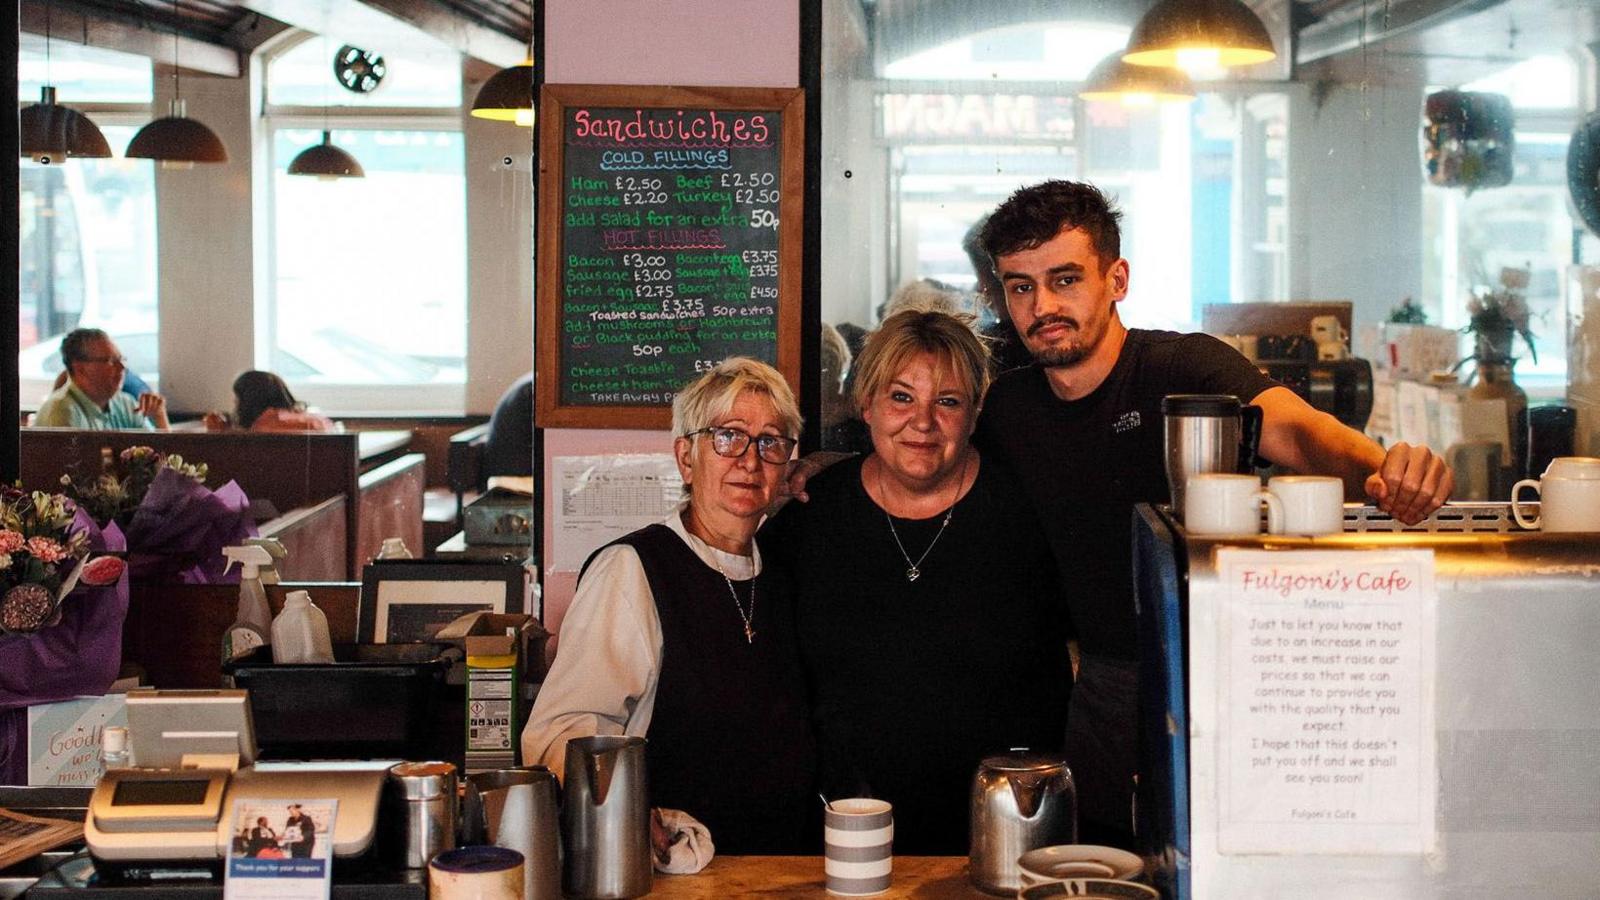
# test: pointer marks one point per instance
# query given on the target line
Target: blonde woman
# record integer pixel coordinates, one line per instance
(930, 623)
(678, 634)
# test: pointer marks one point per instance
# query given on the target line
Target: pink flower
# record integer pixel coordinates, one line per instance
(10, 541)
(46, 550)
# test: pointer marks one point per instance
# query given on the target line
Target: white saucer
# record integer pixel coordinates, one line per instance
(1078, 861)
(1089, 889)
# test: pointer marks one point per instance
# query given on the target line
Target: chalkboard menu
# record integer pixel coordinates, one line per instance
(669, 239)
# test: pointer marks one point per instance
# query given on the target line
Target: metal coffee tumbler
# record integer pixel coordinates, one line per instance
(518, 809)
(1207, 433)
(605, 819)
(420, 806)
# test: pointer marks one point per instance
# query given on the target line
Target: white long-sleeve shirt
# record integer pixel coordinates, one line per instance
(607, 664)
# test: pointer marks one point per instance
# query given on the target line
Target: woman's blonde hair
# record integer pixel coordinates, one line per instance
(905, 334)
(709, 397)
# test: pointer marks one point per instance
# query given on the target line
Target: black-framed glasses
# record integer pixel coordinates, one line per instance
(732, 442)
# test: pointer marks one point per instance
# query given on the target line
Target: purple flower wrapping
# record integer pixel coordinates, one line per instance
(79, 655)
(179, 530)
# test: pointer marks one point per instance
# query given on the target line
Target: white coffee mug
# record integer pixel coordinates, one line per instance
(1216, 503)
(1312, 504)
(1569, 496)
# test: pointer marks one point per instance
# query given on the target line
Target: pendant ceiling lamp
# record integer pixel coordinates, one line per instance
(175, 140)
(50, 133)
(508, 95)
(326, 161)
(1113, 80)
(1199, 34)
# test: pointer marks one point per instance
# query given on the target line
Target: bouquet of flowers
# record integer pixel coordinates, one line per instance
(1496, 315)
(175, 526)
(42, 557)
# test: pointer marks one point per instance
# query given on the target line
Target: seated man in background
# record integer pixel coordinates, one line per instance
(509, 448)
(92, 395)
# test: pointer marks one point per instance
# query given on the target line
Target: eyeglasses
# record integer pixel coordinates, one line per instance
(732, 443)
(114, 360)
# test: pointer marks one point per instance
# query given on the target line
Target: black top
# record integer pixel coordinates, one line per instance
(1006, 349)
(509, 448)
(1087, 462)
(729, 740)
(914, 682)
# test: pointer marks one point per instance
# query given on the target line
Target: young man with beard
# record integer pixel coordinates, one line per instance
(1083, 428)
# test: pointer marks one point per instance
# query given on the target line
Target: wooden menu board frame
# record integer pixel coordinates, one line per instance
(551, 297)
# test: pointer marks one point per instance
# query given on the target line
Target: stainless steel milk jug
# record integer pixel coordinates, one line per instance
(1020, 801)
(605, 819)
(1207, 433)
(518, 809)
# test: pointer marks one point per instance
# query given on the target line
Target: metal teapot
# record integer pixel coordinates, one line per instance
(1020, 801)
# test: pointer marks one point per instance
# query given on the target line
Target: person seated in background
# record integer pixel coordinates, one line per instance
(842, 428)
(262, 402)
(1006, 348)
(92, 397)
(509, 447)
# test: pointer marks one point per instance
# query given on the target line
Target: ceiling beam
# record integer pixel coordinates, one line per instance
(96, 30)
(381, 25)
(1367, 27)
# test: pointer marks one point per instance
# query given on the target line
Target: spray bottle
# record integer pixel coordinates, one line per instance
(269, 574)
(254, 622)
(300, 632)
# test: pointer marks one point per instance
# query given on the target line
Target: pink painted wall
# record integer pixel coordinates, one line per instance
(727, 43)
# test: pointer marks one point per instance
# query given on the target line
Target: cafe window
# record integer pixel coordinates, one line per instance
(87, 250)
(1471, 236)
(367, 307)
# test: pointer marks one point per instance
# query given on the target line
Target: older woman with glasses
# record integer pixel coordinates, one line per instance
(677, 633)
(931, 627)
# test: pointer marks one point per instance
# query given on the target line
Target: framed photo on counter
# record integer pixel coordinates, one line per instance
(409, 600)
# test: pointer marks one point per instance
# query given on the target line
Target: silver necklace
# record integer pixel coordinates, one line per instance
(748, 617)
(914, 569)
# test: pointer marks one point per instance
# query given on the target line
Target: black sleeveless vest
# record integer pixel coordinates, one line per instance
(730, 740)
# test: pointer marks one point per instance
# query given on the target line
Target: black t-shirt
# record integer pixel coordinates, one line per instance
(1087, 462)
(913, 683)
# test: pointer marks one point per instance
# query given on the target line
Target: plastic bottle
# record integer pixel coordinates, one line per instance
(114, 748)
(269, 574)
(254, 621)
(300, 632)
(394, 548)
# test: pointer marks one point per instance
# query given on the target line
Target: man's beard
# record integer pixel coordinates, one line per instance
(1058, 357)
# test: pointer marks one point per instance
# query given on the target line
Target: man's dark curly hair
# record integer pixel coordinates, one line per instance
(1037, 213)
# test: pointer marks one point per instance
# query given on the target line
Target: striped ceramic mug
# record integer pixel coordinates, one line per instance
(858, 846)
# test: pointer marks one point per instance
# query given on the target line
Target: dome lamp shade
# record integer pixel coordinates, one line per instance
(507, 96)
(1115, 81)
(177, 141)
(50, 133)
(327, 161)
(1199, 34)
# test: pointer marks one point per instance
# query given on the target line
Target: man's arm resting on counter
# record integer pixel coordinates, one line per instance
(1408, 482)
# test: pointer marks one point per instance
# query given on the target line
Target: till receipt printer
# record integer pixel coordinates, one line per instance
(194, 755)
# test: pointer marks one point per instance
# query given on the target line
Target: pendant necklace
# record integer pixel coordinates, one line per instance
(914, 569)
(748, 617)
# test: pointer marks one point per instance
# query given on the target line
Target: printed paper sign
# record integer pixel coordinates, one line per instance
(1326, 726)
(602, 498)
(281, 849)
(64, 739)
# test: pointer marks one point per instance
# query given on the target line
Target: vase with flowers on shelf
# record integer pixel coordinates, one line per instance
(1496, 317)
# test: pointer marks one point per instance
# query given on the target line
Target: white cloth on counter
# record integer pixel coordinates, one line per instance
(608, 659)
(689, 847)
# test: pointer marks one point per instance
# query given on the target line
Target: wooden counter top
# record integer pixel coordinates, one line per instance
(921, 877)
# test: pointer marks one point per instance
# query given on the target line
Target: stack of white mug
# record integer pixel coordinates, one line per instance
(1226, 505)
(1569, 496)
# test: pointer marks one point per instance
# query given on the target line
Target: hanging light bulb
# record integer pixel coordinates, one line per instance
(175, 140)
(1112, 80)
(1197, 35)
(51, 133)
(326, 161)
(508, 95)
